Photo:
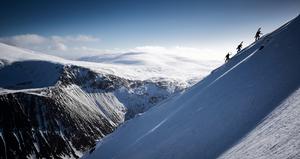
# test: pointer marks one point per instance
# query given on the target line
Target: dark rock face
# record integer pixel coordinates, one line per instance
(28, 119)
(51, 123)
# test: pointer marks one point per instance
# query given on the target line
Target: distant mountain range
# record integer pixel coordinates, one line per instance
(56, 108)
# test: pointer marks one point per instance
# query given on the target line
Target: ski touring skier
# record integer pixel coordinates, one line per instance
(257, 35)
(239, 47)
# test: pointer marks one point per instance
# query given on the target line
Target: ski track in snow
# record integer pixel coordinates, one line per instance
(232, 68)
(159, 124)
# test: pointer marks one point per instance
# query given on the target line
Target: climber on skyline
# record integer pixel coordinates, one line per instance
(227, 57)
(239, 47)
(257, 35)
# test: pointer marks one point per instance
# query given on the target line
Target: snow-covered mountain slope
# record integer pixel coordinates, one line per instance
(247, 108)
(52, 107)
(11, 54)
(277, 136)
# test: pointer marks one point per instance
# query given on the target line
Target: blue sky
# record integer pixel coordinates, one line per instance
(120, 25)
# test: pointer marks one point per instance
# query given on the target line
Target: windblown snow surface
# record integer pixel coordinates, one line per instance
(247, 108)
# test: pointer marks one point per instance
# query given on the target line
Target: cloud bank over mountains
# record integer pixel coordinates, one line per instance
(62, 46)
(76, 46)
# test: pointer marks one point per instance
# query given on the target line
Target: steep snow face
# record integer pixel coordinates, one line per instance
(224, 113)
(277, 137)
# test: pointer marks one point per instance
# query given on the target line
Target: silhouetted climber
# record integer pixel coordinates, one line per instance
(257, 35)
(227, 57)
(239, 47)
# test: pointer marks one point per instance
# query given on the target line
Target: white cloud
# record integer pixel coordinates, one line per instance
(153, 49)
(59, 47)
(206, 53)
(26, 39)
(55, 45)
(77, 38)
(85, 38)
(75, 46)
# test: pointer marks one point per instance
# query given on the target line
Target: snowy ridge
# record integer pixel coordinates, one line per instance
(228, 113)
(133, 65)
(11, 54)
